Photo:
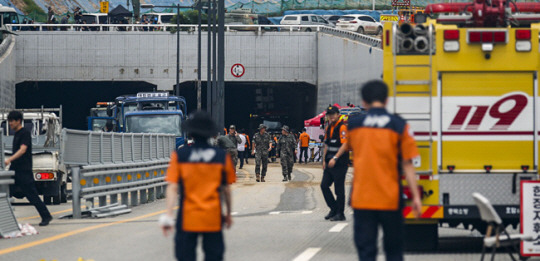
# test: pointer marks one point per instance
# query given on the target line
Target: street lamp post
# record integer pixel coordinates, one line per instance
(177, 6)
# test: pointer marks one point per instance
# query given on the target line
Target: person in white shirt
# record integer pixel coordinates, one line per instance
(241, 148)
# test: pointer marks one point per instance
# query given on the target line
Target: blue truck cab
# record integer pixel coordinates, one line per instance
(153, 112)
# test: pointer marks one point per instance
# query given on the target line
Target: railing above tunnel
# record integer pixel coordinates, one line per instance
(374, 41)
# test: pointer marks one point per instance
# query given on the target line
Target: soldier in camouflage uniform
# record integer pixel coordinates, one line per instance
(262, 143)
(235, 139)
(286, 149)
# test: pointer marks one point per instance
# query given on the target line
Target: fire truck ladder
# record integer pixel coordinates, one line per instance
(421, 115)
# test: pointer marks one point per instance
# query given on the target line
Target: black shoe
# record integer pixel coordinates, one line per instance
(45, 221)
(289, 177)
(285, 179)
(338, 217)
(330, 215)
(262, 179)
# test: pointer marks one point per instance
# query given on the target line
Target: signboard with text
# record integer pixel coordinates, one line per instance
(530, 217)
(104, 7)
(401, 2)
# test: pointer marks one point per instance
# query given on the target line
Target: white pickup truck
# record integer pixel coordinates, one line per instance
(45, 126)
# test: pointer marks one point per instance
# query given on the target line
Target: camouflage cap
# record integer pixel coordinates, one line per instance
(232, 127)
(262, 126)
(286, 128)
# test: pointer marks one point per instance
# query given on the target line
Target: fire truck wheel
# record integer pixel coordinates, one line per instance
(360, 30)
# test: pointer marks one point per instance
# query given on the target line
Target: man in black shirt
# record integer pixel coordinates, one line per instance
(21, 163)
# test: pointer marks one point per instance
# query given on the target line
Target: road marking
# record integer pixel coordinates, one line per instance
(338, 227)
(308, 254)
(234, 213)
(307, 212)
(53, 213)
(75, 232)
(274, 213)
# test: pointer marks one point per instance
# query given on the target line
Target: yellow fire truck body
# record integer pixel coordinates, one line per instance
(471, 97)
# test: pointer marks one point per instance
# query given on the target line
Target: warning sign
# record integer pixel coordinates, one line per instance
(389, 18)
(237, 70)
(104, 7)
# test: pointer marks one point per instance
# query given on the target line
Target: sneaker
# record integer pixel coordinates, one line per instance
(338, 217)
(330, 215)
(45, 221)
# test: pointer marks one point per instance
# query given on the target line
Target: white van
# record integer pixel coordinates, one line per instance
(303, 19)
(95, 18)
(8, 15)
(160, 18)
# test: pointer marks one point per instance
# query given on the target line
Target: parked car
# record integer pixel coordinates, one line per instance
(332, 18)
(362, 24)
(304, 19)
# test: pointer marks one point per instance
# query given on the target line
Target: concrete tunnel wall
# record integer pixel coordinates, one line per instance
(343, 66)
(336, 66)
(7, 72)
(151, 56)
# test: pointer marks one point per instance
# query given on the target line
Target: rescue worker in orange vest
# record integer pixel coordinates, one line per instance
(382, 146)
(304, 144)
(203, 173)
(335, 137)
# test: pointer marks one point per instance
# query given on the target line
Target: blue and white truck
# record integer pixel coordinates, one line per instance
(152, 112)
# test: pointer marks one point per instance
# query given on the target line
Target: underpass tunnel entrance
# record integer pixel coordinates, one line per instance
(249, 104)
(76, 98)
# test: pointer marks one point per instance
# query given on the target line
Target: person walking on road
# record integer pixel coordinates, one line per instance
(241, 149)
(21, 163)
(248, 146)
(286, 148)
(262, 144)
(304, 144)
(203, 173)
(233, 136)
(382, 146)
(334, 139)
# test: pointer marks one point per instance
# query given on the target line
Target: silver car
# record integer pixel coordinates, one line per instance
(303, 19)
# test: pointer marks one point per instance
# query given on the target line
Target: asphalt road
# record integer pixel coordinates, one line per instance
(272, 221)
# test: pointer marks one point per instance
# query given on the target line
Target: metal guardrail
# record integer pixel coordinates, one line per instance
(83, 148)
(104, 164)
(6, 42)
(369, 40)
(159, 27)
(8, 222)
(6, 177)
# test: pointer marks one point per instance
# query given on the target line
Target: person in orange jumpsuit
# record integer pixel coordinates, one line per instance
(304, 144)
(203, 173)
